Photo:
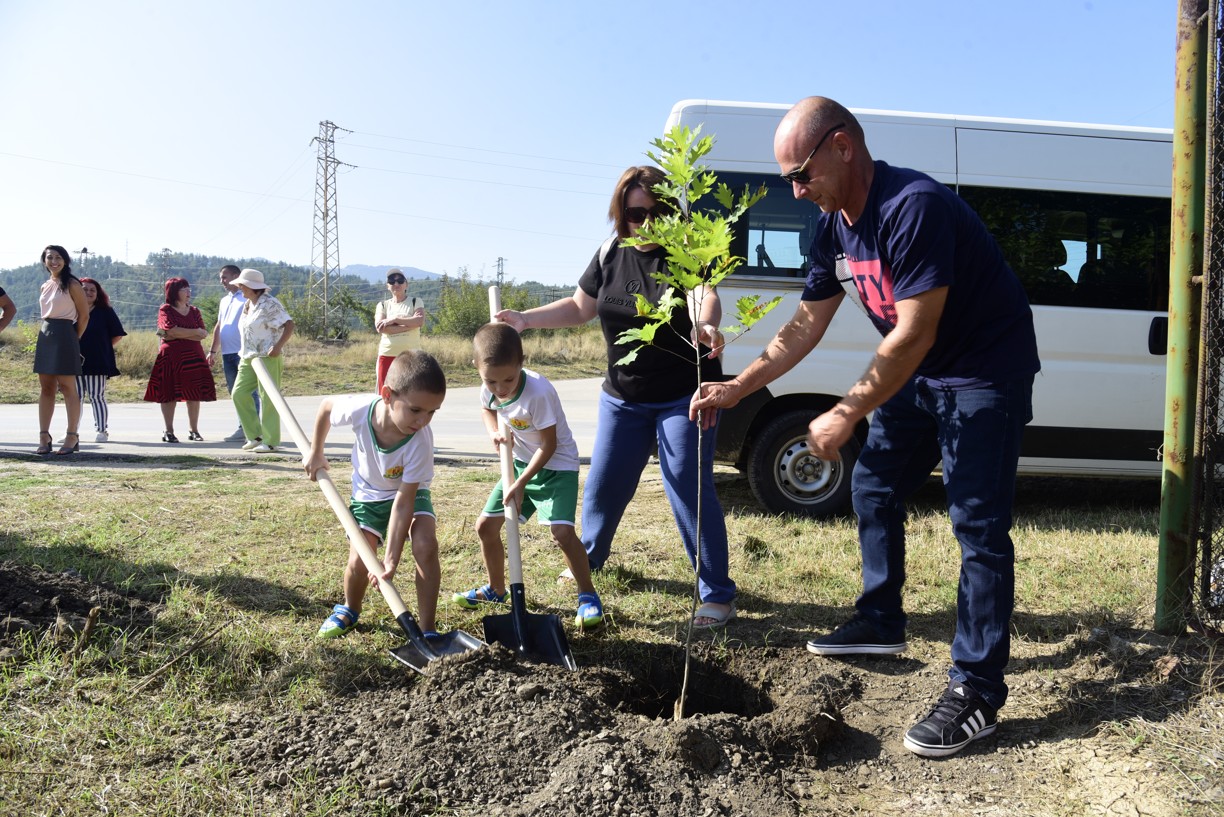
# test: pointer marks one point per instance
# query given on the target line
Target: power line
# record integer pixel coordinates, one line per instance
(489, 150)
(602, 177)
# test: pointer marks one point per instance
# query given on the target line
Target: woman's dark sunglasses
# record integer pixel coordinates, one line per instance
(397, 280)
(637, 215)
(800, 176)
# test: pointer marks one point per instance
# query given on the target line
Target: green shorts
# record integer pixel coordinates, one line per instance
(374, 516)
(553, 493)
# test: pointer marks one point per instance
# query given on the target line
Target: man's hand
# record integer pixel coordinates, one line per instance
(829, 432)
(711, 396)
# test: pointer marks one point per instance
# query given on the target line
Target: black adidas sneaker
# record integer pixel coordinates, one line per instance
(959, 716)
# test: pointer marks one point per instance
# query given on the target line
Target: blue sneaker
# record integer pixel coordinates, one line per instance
(590, 611)
(473, 598)
(339, 622)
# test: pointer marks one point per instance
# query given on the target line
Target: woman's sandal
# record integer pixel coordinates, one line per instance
(339, 622)
(76, 446)
(473, 598)
(44, 448)
(590, 611)
(714, 614)
(195, 437)
(168, 437)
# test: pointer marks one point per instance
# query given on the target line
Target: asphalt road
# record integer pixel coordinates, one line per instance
(136, 428)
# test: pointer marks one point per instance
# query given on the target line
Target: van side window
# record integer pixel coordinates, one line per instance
(1081, 249)
(777, 230)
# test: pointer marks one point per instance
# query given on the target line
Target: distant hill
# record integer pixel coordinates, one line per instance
(379, 273)
(136, 290)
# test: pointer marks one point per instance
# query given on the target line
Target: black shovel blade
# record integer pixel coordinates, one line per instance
(534, 636)
(420, 651)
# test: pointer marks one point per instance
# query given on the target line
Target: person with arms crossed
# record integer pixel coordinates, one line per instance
(398, 321)
(103, 333)
(950, 384)
(227, 340)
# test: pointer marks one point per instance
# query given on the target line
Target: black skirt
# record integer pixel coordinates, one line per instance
(58, 350)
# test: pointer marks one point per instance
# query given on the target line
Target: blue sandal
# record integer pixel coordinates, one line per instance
(339, 622)
(590, 611)
(473, 598)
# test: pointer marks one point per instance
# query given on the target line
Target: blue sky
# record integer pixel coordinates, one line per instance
(480, 130)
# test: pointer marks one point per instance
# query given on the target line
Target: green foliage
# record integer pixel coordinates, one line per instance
(29, 336)
(309, 318)
(697, 242)
(463, 306)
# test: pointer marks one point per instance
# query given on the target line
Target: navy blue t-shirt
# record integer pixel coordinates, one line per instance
(916, 235)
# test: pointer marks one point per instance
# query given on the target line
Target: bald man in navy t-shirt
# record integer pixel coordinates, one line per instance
(950, 384)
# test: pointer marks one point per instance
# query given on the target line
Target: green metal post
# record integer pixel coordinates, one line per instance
(1174, 570)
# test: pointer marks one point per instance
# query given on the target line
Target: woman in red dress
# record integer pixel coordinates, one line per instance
(181, 371)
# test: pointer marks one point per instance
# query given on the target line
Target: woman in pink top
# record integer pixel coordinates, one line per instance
(57, 354)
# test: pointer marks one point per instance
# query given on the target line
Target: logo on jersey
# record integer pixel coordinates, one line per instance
(519, 424)
(394, 472)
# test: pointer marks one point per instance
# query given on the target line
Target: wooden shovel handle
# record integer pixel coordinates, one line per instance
(338, 505)
(514, 556)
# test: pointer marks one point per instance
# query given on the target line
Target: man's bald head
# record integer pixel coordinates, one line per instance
(813, 115)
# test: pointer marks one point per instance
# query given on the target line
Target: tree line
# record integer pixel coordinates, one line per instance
(456, 304)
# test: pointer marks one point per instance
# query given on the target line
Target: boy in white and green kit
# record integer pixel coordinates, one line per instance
(545, 467)
(392, 469)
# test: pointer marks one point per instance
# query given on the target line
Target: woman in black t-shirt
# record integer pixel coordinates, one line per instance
(645, 402)
(98, 353)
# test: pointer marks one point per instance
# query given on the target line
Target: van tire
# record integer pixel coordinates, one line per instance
(787, 479)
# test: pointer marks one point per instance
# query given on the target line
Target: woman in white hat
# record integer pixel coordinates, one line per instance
(265, 328)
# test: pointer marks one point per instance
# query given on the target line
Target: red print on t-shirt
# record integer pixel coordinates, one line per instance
(875, 288)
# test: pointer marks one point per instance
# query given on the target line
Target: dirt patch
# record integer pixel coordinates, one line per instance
(57, 606)
(772, 730)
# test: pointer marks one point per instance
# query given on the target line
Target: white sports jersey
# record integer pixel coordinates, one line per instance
(536, 406)
(379, 472)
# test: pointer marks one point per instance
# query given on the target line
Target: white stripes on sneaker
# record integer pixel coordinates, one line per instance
(975, 723)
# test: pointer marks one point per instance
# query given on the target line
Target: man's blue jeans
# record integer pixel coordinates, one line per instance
(975, 435)
(625, 434)
(229, 363)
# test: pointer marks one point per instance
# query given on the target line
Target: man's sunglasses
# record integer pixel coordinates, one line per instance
(397, 280)
(800, 176)
(637, 215)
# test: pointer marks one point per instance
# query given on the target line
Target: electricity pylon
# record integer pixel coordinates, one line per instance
(325, 251)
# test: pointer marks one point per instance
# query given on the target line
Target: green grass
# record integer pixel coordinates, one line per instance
(257, 549)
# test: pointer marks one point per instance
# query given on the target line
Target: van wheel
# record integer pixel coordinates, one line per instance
(787, 478)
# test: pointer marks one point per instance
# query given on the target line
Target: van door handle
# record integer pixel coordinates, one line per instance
(1158, 336)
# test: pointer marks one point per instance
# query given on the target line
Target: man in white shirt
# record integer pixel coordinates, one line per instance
(225, 337)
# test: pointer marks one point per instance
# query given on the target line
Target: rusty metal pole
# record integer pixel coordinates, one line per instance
(1175, 566)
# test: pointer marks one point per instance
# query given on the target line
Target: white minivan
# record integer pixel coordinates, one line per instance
(1082, 213)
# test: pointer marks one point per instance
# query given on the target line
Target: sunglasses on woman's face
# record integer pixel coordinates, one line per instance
(397, 280)
(637, 215)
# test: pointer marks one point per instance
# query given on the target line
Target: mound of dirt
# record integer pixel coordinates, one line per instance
(487, 733)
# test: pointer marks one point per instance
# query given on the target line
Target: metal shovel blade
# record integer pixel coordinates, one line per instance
(534, 636)
(420, 651)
